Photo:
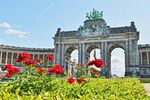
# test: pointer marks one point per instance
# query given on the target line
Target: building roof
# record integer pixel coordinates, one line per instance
(26, 48)
(98, 22)
(143, 46)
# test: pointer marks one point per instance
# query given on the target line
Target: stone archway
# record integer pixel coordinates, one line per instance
(96, 33)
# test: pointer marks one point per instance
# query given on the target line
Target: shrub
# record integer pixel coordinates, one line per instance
(60, 89)
(144, 80)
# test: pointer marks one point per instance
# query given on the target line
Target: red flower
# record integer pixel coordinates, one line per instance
(38, 60)
(8, 75)
(97, 62)
(40, 70)
(79, 80)
(11, 70)
(29, 62)
(51, 70)
(7, 66)
(57, 69)
(23, 56)
(50, 56)
(70, 80)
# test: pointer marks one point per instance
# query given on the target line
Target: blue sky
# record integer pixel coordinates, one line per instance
(33, 23)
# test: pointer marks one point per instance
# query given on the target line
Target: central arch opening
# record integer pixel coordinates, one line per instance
(91, 52)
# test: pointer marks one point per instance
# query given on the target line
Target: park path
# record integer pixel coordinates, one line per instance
(147, 88)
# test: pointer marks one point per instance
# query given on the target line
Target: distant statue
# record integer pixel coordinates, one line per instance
(58, 30)
(72, 68)
(94, 14)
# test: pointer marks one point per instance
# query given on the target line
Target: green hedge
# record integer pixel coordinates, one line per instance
(92, 89)
(144, 80)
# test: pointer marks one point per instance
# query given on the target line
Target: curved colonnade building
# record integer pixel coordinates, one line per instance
(8, 54)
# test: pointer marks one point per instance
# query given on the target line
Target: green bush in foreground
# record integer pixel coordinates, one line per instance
(59, 89)
(39, 83)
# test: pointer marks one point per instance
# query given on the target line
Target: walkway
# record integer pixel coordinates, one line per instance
(147, 88)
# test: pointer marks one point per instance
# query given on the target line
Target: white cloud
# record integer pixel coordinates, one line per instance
(5, 25)
(10, 30)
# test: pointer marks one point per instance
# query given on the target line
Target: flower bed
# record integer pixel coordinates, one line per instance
(96, 88)
(40, 80)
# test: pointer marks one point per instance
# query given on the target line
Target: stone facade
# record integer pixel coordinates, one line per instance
(8, 54)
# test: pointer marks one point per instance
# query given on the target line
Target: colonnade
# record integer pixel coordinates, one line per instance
(144, 57)
(8, 55)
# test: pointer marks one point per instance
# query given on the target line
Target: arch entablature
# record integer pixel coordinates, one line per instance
(114, 45)
(70, 48)
(90, 47)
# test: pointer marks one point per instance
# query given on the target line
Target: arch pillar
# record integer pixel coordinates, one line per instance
(62, 55)
(80, 53)
(83, 54)
(127, 59)
(6, 60)
(104, 55)
(132, 59)
(1, 57)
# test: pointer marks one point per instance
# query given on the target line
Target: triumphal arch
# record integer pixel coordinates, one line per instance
(95, 33)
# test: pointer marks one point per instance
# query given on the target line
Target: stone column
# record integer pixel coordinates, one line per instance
(102, 51)
(12, 54)
(6, 58)
(80, 54)
(130, 53)
(43, 56)
(33, 56)
(55, 53)
(58, 54)
(83, 54)
(147, 58)
(136, 56)
(141, 58)
(105, 54)
(1, 57)
(62, 55)
(126, 56)
(107, 67)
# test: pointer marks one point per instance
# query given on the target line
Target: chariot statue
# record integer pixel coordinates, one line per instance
(94, 14)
